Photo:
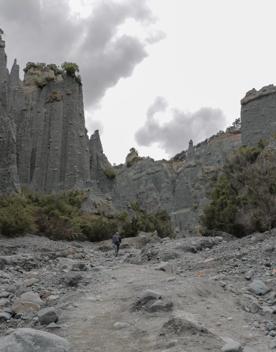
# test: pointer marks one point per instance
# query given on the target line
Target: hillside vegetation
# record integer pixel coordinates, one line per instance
(60, 217)
(243, 199)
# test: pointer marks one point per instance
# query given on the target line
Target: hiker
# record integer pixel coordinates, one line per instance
(116, 241)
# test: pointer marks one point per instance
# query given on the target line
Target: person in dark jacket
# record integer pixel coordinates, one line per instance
(116, 242)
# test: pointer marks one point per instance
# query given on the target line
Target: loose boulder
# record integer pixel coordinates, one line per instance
(29, 340)
(47, 316)
(258, 287)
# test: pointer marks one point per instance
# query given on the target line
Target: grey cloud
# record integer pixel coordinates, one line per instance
(46, 31)
(160, 104)
(174, 136)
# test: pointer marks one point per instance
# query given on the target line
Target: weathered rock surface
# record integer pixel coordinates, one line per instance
(52, 142)
(47, 316)
(29, 340)
(258, 115)
(179, 186)
(99, 164)
(8, 167)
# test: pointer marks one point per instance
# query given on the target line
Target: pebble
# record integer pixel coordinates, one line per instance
(4, 316)
(120, 325)
(232, 346)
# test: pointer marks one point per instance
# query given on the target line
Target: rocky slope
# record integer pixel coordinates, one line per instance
(179, 186)
(193, 294)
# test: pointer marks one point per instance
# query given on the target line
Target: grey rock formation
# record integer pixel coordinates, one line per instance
(8, 168)
(258, 115)
(99, 164)
(179, 186)
(52, 142)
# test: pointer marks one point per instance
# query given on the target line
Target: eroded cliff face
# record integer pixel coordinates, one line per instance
(44, 147)
(99, 164)
(180, 185)
(52, 142)
(258, 113)
(8, 167)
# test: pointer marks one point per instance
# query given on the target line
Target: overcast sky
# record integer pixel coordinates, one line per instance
(156, 73)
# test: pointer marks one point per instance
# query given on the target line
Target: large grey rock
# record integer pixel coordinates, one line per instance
(27, 302)
(28, 340)
(258, 287)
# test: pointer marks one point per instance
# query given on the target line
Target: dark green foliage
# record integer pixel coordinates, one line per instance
(143, 221)
(59, 217)
(16, 215)
(110, 173)
(70, 68)
(99, 229)
(36, 66)
(243, 199)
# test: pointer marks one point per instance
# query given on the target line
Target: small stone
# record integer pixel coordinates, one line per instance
(4, 294)
(160, 306)
(258, 287)
(4, 302)
(120, 325)
(232, 346)
(4, 316)
(249, 275)
(53, 326)
(47, 316)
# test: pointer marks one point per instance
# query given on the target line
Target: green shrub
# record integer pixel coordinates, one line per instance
(97, 228)
(59, 217)
(243, 199)
(147, 222)
(110, 173)
(70, 68)
(17, 216)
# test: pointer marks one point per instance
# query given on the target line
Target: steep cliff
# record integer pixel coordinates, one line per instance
(258, 115)
(99, 164)
(44, 146)
(52, 142)
(180, 185)
(8, 168)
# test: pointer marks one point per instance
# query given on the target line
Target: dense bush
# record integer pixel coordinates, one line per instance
(110, 173)
(143, 221)
(60, 217)
(243, 199)
(17, 215)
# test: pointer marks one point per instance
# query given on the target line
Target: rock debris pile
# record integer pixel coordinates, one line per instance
(200, 294)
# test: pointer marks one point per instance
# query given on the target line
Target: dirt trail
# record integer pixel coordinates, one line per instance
(102, 321)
